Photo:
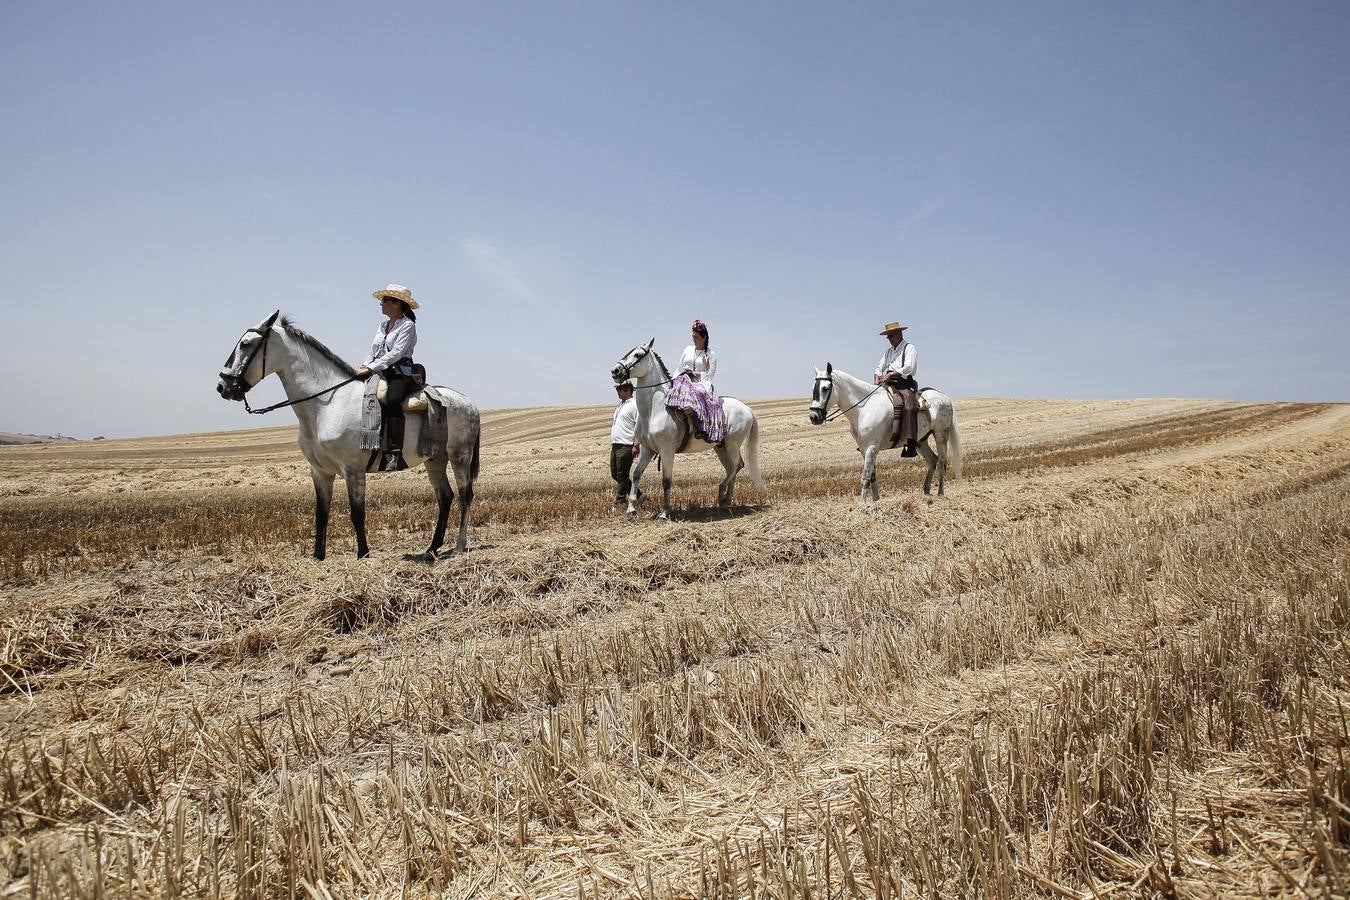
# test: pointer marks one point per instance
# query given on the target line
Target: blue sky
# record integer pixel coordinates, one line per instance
(1061, 199)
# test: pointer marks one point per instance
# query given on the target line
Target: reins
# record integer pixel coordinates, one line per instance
(285, 403)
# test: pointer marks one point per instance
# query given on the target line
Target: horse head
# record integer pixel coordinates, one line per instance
(634, 364)
(821, 394)
(247, 363)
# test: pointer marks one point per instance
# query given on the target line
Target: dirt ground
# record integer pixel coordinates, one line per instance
(1110, 661)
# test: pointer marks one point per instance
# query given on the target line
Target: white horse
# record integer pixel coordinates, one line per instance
(327, 398)
(660, 433)
(869, 411)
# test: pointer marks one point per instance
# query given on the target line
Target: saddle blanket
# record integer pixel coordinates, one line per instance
(431, 437)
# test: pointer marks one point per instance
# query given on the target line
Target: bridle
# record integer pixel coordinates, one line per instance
(819, 406)
(244, 387)
(627, 371)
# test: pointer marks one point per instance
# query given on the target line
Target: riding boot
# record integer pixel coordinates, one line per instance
(911, 449)
(393, 460)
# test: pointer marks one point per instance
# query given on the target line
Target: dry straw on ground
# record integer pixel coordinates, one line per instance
(1110, 662)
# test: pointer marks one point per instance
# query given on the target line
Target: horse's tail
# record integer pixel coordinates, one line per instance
(751, 454)
(473, 462)
(954, 448)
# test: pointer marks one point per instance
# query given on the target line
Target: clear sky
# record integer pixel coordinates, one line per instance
(1061, 199)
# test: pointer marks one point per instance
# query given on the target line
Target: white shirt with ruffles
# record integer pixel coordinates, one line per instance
(702, 366)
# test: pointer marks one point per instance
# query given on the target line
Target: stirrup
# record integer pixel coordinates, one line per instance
(394, 462)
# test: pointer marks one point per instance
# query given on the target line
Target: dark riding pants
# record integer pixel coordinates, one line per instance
(620, 467)
(397, 388)
(905, 409)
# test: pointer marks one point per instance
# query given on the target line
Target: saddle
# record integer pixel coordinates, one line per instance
(416, 401)
(691, 423)
(413, 403)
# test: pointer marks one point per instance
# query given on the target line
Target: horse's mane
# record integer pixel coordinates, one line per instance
(313, 343)
(854, 378)
(665, 373)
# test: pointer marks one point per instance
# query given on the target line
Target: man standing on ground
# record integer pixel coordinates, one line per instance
(897, 371)
(621, 441)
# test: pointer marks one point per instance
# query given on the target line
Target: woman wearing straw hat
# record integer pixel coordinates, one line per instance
(896, 370)
(391, 356)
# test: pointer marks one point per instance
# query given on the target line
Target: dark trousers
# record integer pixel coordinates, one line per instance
(620, 465)
(905, 404)
(396, 390)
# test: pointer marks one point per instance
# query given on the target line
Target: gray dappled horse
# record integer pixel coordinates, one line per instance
(660, 434)
(327, 398)
(869, 411)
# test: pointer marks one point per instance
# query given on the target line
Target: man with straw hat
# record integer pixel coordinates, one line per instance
(391, 356)
(897, 370)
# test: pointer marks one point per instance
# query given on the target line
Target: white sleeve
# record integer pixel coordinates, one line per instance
(881, 367)
(711, 377)
(686, 360)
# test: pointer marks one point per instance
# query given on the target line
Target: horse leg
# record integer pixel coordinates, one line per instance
(323, 499)
(445, 496)
(356, 498)
(464, 477)
(931, 458)
(667, 463)
(733, 465)
(869, 475)
(635, 493)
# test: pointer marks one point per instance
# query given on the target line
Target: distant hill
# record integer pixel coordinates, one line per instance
(7, 437)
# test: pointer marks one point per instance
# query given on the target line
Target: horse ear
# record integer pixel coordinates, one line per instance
(649, 343)
(271, 320)
(829, 369)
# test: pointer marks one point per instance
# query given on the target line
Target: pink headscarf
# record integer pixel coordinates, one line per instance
(700, 327)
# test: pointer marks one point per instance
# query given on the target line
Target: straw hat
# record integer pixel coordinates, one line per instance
(893, 326)
(399, 291)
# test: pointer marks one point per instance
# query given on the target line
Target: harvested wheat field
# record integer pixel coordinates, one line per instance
(1110, 662)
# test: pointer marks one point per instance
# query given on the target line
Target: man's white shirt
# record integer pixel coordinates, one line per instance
(624, 429)
(901, 359)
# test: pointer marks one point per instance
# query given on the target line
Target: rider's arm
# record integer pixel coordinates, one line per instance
(711, 375)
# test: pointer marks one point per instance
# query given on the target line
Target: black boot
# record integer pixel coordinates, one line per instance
(911, 449)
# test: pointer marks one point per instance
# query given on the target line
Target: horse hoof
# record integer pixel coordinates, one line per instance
(362, 554)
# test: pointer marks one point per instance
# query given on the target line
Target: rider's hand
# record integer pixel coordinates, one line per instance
(363, 373)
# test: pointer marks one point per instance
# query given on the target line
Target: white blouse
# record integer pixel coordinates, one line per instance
(393, 341)
(701, 366)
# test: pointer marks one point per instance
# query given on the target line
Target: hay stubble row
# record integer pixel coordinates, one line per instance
(1109, 661)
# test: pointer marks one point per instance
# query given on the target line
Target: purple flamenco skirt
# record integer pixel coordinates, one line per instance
(688, 396)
